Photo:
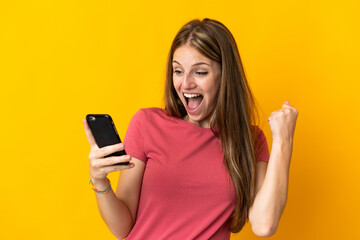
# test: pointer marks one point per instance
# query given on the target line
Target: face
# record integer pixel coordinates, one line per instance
(196, 80)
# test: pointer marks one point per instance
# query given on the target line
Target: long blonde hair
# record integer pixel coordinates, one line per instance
(235, 110)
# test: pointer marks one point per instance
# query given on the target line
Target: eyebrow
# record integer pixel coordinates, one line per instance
(199, 63)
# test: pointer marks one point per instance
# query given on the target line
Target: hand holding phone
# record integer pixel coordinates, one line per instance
(103, 129)
(107, 153)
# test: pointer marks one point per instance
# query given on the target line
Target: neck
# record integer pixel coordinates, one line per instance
(204, 123)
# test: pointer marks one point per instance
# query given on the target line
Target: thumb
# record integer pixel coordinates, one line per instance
(286, 104)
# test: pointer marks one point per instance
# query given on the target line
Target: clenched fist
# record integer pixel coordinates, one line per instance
(282, 123)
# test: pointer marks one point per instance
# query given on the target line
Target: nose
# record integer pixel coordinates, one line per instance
(189, 81)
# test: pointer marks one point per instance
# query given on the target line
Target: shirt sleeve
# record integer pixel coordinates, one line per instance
(261, 146)
(134, 139)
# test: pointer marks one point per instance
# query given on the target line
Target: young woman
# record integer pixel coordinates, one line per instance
(200, 168)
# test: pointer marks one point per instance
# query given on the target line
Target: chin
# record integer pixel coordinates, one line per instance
(198, 118)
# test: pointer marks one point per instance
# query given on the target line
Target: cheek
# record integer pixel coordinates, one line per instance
(213, 97)
(176, 84)
(213, 88)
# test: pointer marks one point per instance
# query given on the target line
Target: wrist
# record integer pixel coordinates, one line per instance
(100, 184)
(281, 152)
(283, 141)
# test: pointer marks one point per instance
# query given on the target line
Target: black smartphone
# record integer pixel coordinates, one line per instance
(105, 134)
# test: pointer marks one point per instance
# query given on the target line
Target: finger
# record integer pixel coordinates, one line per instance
(104, 151)
(109, 161)
(287, 104)
(117, 168)
(89, 134)
(273, 113)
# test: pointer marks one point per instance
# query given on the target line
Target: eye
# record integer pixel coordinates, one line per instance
(177, 72)
(201, 73)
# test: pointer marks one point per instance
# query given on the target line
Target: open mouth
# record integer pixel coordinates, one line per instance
(193, 100)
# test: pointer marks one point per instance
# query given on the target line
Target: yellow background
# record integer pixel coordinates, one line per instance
(63, 59)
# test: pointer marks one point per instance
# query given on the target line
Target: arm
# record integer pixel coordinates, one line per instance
(272, 181)
(119, 210)
(271, 187)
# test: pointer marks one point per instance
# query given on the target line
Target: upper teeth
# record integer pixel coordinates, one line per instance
(191, 95)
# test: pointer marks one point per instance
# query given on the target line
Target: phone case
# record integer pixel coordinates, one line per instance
(104, 131)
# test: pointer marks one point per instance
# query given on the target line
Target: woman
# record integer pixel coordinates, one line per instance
(199, 168)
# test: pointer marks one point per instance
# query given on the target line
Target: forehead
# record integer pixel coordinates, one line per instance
(187, 56)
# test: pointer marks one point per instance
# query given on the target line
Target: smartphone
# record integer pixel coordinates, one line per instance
(105, 134)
